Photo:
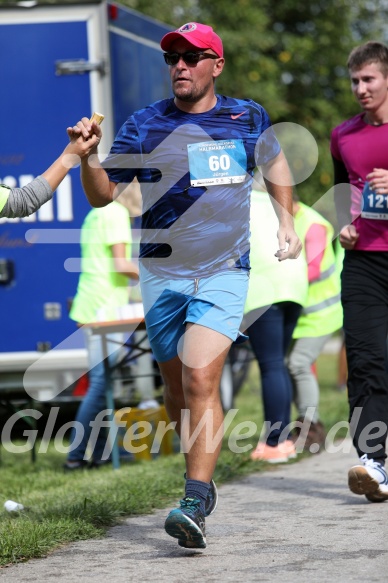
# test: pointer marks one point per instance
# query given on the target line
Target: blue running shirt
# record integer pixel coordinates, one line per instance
(196, 173)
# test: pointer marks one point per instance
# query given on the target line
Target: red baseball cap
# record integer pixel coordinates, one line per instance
(199, 35)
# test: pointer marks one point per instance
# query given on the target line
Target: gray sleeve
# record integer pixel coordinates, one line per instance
(22, 202)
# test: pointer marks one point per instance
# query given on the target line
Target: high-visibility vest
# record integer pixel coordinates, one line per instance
(4, 194)
(322, 314)
(271, 281)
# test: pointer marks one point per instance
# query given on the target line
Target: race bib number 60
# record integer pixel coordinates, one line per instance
(217, 162)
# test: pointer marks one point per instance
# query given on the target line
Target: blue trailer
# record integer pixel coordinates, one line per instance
(59, 63)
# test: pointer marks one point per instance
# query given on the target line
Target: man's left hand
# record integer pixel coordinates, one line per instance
(290, 246)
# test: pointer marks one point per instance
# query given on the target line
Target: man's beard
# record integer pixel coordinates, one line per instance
(192, 96)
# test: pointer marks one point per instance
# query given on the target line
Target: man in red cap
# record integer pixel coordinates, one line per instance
(198, 35)
(194, 155)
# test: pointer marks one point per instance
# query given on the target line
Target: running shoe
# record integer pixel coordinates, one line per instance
(187, 524)
(369, 479)
(274, 454)
(210, 506)
(71, 466)
(212, 499)
(96, 464)
(288, 447)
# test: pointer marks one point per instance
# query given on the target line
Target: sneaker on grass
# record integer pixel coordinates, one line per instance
(187, 524)
(369, 479)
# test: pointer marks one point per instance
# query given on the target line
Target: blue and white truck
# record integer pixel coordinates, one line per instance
(59, 63)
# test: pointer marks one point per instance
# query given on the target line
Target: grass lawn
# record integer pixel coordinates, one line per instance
(62, 507)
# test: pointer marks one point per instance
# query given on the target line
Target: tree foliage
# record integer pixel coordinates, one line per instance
(288, 55)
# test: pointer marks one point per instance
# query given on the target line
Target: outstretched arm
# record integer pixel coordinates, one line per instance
(22, 202)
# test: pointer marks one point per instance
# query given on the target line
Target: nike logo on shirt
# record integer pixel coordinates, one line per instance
(238, 114)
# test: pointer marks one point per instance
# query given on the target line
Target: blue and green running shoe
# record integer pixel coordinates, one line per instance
(187, 524)
(211, 500)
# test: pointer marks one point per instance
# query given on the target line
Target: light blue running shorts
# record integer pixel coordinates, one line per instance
(216, 302)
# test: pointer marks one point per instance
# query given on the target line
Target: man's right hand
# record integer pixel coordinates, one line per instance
(95, 181)
(348, 237)
(84, 128)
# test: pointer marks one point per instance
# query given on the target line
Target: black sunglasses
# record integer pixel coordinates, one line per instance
(189, 57)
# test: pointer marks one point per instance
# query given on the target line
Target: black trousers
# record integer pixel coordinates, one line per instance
(365, 304)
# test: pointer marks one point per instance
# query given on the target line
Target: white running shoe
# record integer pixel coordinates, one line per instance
(369, 479)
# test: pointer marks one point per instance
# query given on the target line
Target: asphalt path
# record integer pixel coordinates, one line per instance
(297, 522)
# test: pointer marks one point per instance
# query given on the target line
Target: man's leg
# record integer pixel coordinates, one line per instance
(192, 399)
(365, 302)
(191, 365)
(193, 386)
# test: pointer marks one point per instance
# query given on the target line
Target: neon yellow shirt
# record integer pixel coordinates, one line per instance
(271, 281)
(101, 290)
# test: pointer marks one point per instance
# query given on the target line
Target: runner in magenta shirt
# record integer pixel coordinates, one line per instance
(350, 139)
(359, 150)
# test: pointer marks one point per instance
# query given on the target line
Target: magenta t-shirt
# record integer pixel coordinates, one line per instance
(362, 147)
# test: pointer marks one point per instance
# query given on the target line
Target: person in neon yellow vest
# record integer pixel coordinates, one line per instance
(276, 294)
(320, 318)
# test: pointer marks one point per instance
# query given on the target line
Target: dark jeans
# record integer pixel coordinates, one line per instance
(270, 336)
(94, 401)
(365, 303)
